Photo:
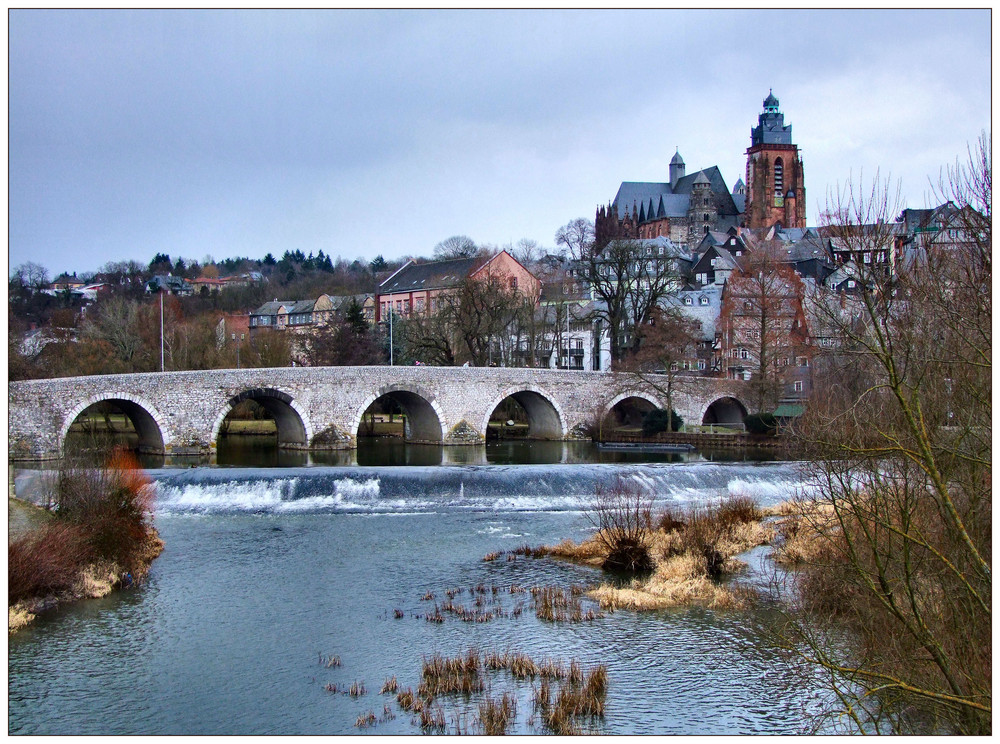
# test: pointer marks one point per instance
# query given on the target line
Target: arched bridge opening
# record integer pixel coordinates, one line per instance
(726, 411)
(113, 422)
(403, 414)
(264, 413)
(626, 414)
(525, 414)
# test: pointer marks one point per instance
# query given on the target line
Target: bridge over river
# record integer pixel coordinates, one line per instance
(182, 413)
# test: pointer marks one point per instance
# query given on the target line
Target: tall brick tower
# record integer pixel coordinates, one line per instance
(776, 190)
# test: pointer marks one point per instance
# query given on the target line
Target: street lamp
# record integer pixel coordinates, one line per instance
(242, 336)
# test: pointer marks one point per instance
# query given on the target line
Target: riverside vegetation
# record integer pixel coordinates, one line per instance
(98, 537)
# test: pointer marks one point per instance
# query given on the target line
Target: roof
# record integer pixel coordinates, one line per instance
(291, 307)
(656, 200)
(431, 275)
(789, 410)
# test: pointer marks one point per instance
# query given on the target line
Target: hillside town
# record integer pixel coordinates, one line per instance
(500, 372)
(736, 273)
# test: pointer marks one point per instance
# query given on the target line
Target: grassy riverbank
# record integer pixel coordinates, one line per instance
(100, 538)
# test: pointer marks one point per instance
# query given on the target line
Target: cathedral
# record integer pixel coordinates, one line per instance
(688, 206)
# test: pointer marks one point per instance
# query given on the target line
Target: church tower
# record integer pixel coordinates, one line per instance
(775, 184)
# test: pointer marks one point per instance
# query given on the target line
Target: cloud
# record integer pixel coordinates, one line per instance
(365, 132)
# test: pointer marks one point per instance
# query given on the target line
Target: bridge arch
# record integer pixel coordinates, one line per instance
(294, 429)
(154, 436)
(641, 402)
(424, 417)
(726, 409)
(545, 416)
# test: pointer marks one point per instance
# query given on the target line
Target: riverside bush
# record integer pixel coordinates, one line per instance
(761, 423)
(46, 561)
(102, 523)
(659, 420)
(112, 508)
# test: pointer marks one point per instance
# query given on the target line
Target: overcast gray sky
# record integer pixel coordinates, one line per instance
(360, 133)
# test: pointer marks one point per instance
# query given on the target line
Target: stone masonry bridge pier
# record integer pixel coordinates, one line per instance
(180, 413)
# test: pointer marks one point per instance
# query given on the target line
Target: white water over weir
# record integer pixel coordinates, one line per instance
(488, 488)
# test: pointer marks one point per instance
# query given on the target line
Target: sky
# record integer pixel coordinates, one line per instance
(363, 133)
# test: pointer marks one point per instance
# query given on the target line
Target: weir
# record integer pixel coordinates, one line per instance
(182, 413)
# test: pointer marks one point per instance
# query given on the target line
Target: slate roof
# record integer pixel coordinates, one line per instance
(292, 307)
(415, 277)
(655, 200)
(706, 315)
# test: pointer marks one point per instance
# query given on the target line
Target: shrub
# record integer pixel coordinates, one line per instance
(670, 520)
(46, 561)
(622, 516)
(761, 423)
(738, 510)
(659, 420)
(111, 506)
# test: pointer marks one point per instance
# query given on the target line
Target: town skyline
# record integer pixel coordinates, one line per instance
(230, 134)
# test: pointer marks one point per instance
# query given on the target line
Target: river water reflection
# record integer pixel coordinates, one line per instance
(267, 570)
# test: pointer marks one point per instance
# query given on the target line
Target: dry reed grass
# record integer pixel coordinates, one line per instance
(496, 716)
(805, 529)
(582, 697)
(690, 552)
(390, 685)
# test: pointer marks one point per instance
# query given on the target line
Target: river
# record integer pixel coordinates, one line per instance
(269, 572)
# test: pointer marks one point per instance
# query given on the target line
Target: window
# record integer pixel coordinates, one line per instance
(744, 354)
(701, 364)
(688, 301)
(779, 174)
(797, 386)
(850, 284)
(702, 300)
(419, 304)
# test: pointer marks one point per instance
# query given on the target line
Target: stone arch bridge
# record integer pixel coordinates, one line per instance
(182, 413)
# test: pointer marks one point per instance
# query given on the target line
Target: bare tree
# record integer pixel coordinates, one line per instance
(575, 235)
(116, 321)
(630, 281)
(900, 430)
(762, 321)
(30, 276)
(667, 342)
(457, 246)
